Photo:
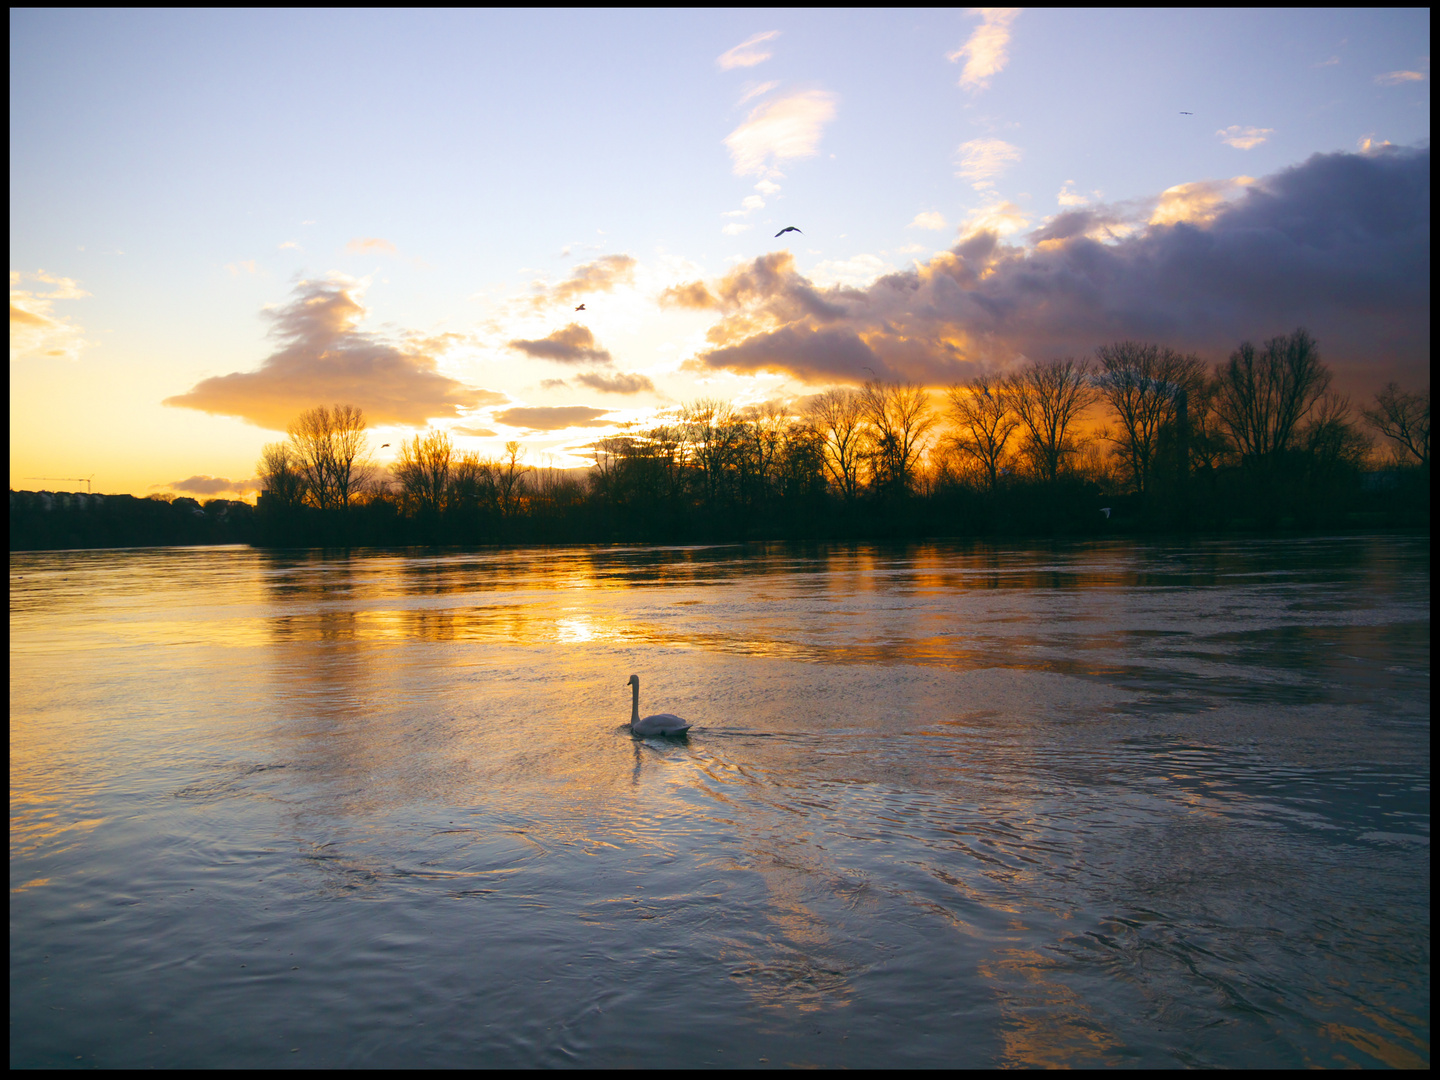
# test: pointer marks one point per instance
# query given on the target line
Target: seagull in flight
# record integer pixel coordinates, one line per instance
(384, 445)
(788, 228)
(580, 308)
(1184, 113)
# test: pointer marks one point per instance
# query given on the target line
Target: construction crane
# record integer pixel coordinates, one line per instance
(71, 479)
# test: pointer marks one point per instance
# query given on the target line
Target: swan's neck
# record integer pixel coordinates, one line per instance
(635, 703)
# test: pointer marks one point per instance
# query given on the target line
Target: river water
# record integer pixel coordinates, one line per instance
(1092, 804)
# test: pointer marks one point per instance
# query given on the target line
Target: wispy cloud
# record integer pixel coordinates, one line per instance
(752, 91)
(735, 228)
(362, 245)
(623, 382)
(474, 432)
(747, 53)
(985, 53)
(784, 129)
(553, 417)
(1244, 138)
(928, 219)
(324, 358)
(35, 330)
(749, 205)
(289, 244)
(238, 268)
(981, 160)
(573, 344)
(766, 187)
(1397, 78)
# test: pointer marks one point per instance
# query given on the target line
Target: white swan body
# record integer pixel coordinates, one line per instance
(659, 724)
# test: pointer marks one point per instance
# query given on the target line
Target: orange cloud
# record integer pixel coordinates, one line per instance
(34, 328)
(602, 275)
(691, 295)
(323, 359)
(986, 52)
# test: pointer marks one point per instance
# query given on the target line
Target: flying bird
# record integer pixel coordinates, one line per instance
(384, 445)
(580, 308)
(1184, 113)
(788, 228)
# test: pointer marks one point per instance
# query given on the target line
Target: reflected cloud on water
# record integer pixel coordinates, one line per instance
(1073, 805)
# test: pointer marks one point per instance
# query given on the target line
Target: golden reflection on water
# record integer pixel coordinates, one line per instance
(936, 758)
(1046, 1024)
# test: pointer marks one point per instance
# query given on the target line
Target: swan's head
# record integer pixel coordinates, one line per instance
(634, 680)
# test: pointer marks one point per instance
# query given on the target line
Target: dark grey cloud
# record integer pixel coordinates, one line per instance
(1339, 244)
(324, 360)
(574, 344)
(213, 485)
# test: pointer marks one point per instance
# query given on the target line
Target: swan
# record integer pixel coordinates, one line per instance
(659, 724)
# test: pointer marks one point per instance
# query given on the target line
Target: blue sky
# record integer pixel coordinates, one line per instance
(181, 181)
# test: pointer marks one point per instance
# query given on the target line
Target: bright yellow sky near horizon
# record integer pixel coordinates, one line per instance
(243, 214)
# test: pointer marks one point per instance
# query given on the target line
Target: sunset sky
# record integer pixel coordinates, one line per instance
(218, 219)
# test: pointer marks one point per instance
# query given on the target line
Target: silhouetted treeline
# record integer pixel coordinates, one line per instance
(60, 519)
(1138, 438)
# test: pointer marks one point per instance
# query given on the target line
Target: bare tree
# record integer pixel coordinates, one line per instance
(330, 447)
(712, 433)
(510, 479)
(1049, 396)
(1142, 383)
(765, 431)
(423, 471)
(1331, 439)
(1208, 444)
(1263, 396)
(472, 483)
(984, 422)
(1403, 417)
(837, 417)
(899, 415)
(280, 475)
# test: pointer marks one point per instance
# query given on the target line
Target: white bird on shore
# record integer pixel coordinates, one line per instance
(659, 724)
